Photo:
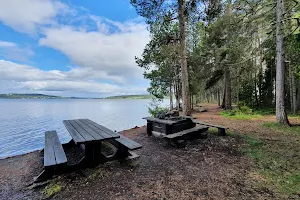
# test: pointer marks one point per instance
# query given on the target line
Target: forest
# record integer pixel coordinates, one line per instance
(234, 52)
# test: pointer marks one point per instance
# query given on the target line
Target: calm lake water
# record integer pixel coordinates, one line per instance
(24, 121)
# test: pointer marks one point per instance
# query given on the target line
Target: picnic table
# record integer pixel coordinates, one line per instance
(90, 137)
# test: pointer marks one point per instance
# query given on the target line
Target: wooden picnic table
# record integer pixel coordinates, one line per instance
(90, 135)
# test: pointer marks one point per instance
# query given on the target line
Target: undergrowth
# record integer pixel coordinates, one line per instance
(295, 129)
(277, 162)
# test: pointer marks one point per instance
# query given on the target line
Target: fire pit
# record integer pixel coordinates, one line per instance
(168, 125)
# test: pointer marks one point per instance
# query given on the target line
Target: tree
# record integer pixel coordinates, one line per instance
(281, 115)
(160, 11)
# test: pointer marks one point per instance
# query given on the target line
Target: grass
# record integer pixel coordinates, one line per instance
(277, 163)
(51, 190)
(240, 116)
(282, 128)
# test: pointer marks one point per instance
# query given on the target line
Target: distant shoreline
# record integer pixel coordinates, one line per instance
(42, 96)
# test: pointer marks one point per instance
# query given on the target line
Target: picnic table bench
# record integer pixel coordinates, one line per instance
(89, 136)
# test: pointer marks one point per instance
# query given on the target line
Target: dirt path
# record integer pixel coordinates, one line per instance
(212, 168)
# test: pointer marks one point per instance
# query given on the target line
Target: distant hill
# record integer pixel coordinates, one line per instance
(28, 96)
(146, 96)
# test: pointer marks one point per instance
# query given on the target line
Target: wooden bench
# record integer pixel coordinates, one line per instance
(221, 129)
(54, 156)
(192, 132)
(125, 147)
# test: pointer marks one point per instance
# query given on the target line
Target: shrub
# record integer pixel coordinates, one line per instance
(155, 108)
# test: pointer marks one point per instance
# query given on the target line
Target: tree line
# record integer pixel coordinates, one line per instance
(245, 52)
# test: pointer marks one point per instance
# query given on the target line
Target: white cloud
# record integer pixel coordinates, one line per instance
(6, 44)
(110, 50)
(13, 51)
(27, 15)
(31, 79)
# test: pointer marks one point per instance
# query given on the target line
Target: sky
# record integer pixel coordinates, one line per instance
(83, 48)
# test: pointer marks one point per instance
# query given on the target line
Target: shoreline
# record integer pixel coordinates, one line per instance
(39, 150)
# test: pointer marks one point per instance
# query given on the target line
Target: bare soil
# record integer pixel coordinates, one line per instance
(212, 168)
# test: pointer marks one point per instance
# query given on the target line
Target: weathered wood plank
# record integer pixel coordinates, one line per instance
(59, 152)
(211, 125)
(104, 129)
(130, 144)
(89, 130)
(99, 131)
(86, 135)
(49, 155)
(185, 132)
(73, 132)
(164, 121)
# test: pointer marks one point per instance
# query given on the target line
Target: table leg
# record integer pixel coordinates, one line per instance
(149, 128)
(93, 154)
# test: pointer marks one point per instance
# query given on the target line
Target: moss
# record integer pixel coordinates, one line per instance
(99, 173)
(51, 190)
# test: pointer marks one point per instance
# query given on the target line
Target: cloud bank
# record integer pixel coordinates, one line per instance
(101, 51)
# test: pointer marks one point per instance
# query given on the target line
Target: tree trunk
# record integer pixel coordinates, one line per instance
(298, 95)
(224, 94)
(218, 96)
(171, 97)
(227, 89)
(281, 116)
(294, 97)
(184, 69)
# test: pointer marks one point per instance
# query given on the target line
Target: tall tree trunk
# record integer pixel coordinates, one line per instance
(184, 68)
(281, 115)
(294, 97)
(227, 89)
(298, 95)
(224, 94)
(171, 97)
(218, 96)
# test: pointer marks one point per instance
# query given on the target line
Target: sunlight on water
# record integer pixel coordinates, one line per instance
(24, 121)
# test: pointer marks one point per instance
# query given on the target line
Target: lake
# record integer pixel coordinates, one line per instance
(24, 121)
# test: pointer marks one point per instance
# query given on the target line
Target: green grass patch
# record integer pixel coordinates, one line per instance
(240, 116)
(278, 162)
(242, 113)
(51, 190)
(282, 128)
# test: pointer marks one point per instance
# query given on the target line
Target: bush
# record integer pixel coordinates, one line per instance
(155, 108)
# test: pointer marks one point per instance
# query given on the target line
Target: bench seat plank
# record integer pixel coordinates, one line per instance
(49, 155)
(59, 152)
(211, 125)
(130, 144)
(185, 132)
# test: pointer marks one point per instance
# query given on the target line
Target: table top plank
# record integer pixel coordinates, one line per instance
(95, 127)
(86, 135)
(89, 130)
(73, 132)
(110, 133)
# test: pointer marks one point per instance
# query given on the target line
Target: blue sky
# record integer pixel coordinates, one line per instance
(71, 47)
